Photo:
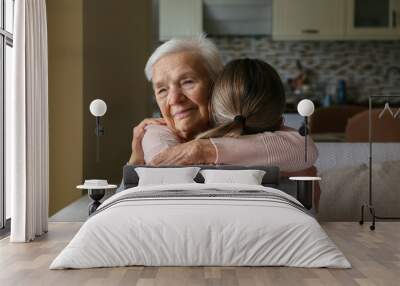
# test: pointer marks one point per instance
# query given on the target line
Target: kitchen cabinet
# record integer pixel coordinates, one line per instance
(308, 19)
(180, 18)
(373, 19)
(237, 17)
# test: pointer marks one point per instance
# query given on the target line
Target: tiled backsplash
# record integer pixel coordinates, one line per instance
(362, 64)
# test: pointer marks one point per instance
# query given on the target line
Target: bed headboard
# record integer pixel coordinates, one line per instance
(271, 177)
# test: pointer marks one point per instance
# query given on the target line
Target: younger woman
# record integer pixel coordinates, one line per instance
(248, 98)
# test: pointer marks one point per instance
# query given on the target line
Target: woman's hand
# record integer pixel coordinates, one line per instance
(195, 152)
(137, 156)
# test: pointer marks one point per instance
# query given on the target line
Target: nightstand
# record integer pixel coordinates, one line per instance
(96, 191)
(305, 189)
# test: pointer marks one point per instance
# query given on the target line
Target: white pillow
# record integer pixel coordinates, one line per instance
(248, 177)
(163, 176)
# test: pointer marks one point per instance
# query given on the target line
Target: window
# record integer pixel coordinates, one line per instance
(6, 63)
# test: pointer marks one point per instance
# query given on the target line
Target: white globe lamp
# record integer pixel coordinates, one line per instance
(98, 107)
(305, 107)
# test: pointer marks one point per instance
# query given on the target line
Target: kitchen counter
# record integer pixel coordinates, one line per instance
(328, 137)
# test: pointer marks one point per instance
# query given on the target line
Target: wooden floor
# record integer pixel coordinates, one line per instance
(375, 257)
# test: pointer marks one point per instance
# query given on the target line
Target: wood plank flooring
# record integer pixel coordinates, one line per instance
(375, 257)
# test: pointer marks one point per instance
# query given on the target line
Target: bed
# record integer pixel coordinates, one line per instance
(201, 224)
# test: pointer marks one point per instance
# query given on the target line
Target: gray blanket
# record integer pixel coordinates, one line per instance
(203, 194)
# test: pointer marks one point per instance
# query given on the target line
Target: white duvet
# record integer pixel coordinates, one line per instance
(187, 231)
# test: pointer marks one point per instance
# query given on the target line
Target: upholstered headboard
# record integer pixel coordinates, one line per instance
(271, 177)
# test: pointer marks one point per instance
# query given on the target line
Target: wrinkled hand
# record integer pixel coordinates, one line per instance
(195, 152)
(137, 156)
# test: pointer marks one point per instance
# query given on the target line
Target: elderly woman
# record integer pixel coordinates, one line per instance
(182, 72)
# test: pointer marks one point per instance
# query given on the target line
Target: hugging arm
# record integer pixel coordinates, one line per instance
(195, 152)
(162, 147)
(284, 148)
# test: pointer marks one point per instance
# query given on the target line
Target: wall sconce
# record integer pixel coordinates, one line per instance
(305, 185)
(98, 108)
(305, 108)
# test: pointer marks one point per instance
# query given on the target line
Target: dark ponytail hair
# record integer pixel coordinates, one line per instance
(248, 97)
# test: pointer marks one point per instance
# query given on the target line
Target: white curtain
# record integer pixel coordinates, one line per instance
(27, 143)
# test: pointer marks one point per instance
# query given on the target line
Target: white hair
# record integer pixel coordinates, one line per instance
(200, 45)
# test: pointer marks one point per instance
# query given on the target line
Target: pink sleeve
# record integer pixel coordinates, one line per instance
(283, 148)
(156, 139)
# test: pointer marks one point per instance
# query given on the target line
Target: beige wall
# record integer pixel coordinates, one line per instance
(97, 49)
(117, 43)
(65, 36)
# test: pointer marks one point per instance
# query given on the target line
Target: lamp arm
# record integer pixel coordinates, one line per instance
(99, 129)
(305, 138)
